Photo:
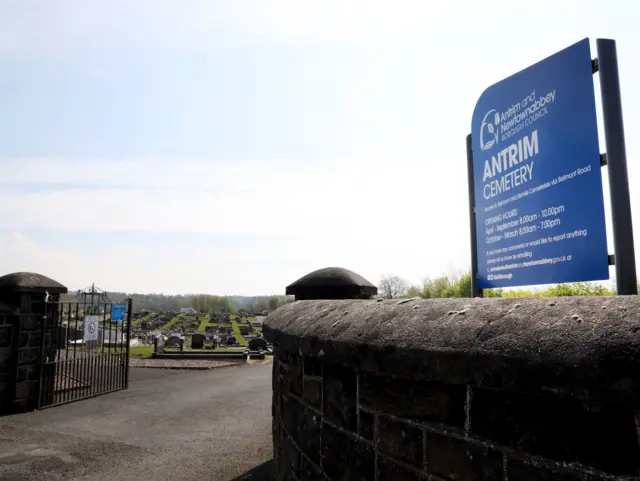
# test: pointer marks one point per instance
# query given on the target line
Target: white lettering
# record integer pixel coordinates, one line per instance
(508, 163)
(531, 145)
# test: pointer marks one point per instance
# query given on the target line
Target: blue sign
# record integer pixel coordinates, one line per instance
(537, 180)
(117, 312)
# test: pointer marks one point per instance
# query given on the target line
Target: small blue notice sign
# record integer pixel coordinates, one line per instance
(536, 167)
(117, 312)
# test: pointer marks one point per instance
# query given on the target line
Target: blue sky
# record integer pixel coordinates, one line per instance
(233, 146)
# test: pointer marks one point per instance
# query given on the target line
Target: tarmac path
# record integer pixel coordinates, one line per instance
(169, 425)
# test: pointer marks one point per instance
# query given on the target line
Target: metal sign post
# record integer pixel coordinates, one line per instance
(624, 252)
(475, 289)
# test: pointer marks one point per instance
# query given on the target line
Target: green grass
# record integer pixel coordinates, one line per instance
(140, 351)
(148, 317)
(236, 332)
(173, 321)
(147, 351)
(203, 323)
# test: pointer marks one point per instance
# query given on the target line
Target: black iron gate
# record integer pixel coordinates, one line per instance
(84, 348)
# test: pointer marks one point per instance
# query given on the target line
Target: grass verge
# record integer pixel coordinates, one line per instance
(203, 323)
(148, 317)
(236, 332)
(173, 321)
(140, 351)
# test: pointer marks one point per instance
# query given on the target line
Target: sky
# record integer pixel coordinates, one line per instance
(231, 147)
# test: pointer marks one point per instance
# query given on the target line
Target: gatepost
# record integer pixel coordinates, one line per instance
(26, 335)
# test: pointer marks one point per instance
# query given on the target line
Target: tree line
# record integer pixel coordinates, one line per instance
(392, 287)
(199, 302)
(233, 304)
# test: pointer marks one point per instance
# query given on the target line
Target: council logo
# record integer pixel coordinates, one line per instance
(489, 130)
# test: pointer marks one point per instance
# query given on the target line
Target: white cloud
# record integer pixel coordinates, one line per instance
(19, 253)
(204, 23)
(380, 219)
(372, 214)
(191, 196)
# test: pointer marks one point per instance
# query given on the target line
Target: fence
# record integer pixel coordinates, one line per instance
(84, 350)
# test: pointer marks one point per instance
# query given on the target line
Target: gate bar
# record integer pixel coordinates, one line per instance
(42, 344)
(126, 360)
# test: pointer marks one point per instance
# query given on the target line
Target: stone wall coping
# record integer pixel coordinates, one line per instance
(334, 276)
(30, 282)
(580, 346)
(332, 283)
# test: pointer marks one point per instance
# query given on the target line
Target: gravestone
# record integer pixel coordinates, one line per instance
(257, 344)
(159, 342)
(197, 341)
(173, 341)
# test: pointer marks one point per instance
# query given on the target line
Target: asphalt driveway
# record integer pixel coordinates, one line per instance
(169, 425)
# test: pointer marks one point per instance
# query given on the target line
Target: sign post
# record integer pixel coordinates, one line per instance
(625, 258)
(475, 289)
(535, 183)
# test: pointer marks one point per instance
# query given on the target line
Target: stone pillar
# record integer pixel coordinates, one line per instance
(292, 377)
(331, 283)
(22, 311)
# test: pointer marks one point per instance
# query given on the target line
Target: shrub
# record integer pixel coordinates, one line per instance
(460, 286)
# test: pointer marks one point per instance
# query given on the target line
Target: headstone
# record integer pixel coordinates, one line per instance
(197, 341)
(173, 341)
(160, 343)
(257, 344)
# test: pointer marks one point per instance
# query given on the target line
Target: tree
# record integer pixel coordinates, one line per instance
(414, 291)
(285, 300)
(392, 287)
(273, 303)
(463, 286)
(452, 285)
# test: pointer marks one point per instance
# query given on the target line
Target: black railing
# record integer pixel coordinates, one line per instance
(84, 350)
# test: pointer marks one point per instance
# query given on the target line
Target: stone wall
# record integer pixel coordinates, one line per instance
(483, 389)
(22, 313)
